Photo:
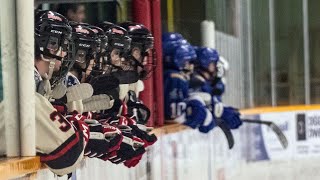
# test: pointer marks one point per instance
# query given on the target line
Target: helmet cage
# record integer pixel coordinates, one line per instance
(53, 37)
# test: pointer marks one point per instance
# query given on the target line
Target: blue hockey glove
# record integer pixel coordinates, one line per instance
(229, 114)
(208, 124)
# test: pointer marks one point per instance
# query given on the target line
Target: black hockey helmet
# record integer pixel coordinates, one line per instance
(86, 42)
(141, 38)
(52, 32)
(102, 36)
(140, 35)
(117, 39)
(117, 36)
(97, 69)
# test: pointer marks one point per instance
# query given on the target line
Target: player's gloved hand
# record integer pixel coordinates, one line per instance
(131, 147)
(103, 139)
(209, 123)
(195, 112)
(133, 161)
(141, 133)
(137, 109)
(229, 114)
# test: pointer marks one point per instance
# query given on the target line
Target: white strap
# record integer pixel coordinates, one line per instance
(218, 110)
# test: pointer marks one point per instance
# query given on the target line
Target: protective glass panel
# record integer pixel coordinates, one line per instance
(289, 52)
(314, 44)
(261, 53)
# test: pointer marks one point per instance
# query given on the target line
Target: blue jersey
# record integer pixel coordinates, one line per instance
(71, 80)
(175, 92)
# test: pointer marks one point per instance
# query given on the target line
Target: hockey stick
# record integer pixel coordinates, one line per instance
(227, 132)
(282, 138)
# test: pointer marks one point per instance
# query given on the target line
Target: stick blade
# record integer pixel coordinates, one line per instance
(282, 138)
(227, 132)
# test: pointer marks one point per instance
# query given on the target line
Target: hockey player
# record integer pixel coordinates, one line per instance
(179, 106)
(201, 81)
(219, 81)
(52, 40)
(115, 60)
(86, 44)
(61, 141)
(141, 45)
(118, 65)
(205, 70)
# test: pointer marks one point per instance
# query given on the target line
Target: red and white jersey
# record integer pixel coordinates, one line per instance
(59, 142)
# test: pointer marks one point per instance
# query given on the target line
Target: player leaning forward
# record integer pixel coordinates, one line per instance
(59, 142)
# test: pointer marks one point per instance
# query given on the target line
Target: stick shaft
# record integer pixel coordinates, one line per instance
(256, 121)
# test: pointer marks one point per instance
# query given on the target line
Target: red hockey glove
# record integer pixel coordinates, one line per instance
(103, 139)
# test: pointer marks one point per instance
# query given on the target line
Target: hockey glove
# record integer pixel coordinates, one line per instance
(229, 114)
(208, 124)
(103, 139)
(143, 135)
(136, 109)
(195, 112)
(131, 147)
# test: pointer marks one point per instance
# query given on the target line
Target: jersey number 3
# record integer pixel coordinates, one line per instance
(65, 125)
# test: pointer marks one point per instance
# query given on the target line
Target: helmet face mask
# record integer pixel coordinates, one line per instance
(52, 31)
(86, 45)
(115, 56)
(142, 51)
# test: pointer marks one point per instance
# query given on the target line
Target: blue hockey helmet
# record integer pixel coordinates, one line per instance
(169, 36)
(182, 54)
(169, 47)
(206, 56)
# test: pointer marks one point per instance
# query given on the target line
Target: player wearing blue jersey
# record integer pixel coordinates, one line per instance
(179, 106)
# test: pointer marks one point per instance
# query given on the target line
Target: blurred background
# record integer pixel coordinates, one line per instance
(271, 45)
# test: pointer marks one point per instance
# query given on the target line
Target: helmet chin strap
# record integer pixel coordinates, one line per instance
(51, 68)
(51, 61)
